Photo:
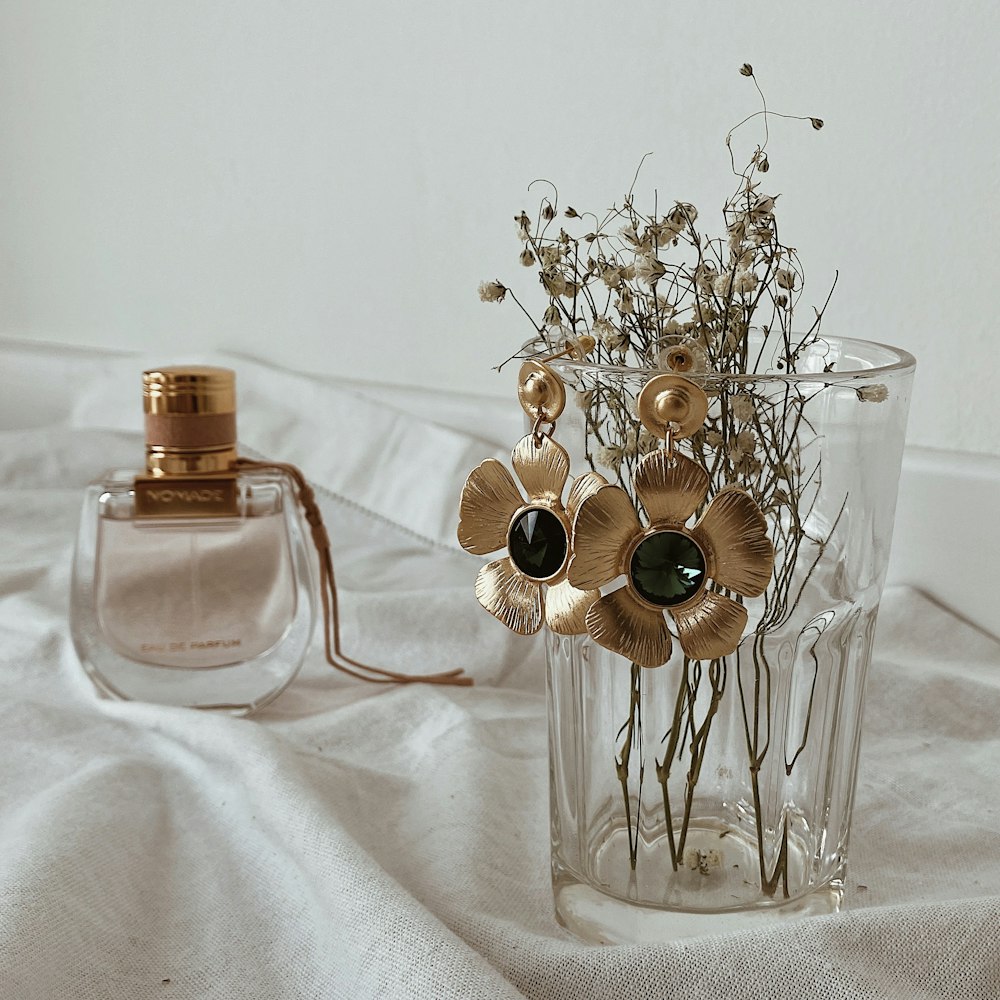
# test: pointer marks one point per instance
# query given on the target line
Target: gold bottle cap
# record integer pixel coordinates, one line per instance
(190, 420)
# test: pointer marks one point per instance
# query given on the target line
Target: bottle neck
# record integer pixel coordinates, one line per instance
(165, 462)
(182, 444)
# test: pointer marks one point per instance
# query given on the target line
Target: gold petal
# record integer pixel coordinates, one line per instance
(511, 597)
(566, 608)
(583, 486)
(489, 499)
(734, 533)
(603, 527)
(620, 623)
(710, 627)
(542, 468)
(669, 491)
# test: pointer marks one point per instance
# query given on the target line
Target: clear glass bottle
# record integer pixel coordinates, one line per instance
(191, 582)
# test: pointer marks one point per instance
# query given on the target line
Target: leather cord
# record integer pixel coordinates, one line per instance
(335, 655)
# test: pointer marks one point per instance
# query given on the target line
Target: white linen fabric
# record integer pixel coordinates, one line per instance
(365, 841)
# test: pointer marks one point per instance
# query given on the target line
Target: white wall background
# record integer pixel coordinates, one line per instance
(325, 184)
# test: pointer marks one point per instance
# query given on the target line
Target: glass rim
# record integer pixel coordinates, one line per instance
(903, 363)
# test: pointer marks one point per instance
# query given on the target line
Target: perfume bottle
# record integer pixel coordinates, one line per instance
(192, 583)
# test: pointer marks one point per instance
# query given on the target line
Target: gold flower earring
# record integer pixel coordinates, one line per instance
(528, 586)
(667, 566)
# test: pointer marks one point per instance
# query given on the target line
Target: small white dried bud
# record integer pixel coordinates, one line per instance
(877, 393)
(610, 456)
(647, 442)
(527, 257)
(742, 408)
(649, 269)
(732, 340)
(625, 304)
(630, 446)
(723, 284)
(551, 255)
(683, 213)
(748, 466)
(548, 212)
(629, 233)
(552, 315)
(705, 277)
(746, 70)
(609, 334)
(785, 278)
(742, 446)
(554, 282)
(611, 276)
(745, 282)
(571, 213)
(762, 207)
(703, 312)
(663, 235)
(491, 291)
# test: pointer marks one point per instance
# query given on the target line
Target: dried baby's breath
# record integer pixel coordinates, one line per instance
(654, 290)
(492, 291)
(552, 317)
(877, 393)
(635, 280)
(741, 407)
(610, 456)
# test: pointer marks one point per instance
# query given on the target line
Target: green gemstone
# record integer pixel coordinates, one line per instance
(537, 543)
(667, 568)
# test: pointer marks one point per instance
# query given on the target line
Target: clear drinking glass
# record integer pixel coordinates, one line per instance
(704, 796)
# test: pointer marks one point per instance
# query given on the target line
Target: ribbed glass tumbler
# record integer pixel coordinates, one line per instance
(703, 796)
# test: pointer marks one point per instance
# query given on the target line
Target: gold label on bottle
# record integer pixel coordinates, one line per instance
(175, 496)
